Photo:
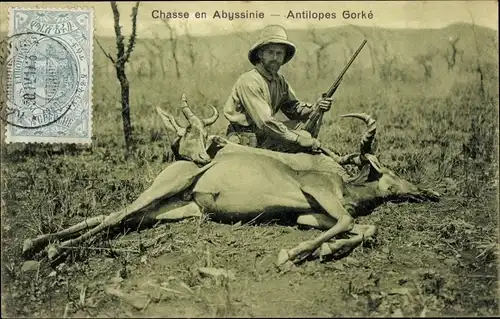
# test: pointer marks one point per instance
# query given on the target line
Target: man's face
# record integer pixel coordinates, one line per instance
(272, 57)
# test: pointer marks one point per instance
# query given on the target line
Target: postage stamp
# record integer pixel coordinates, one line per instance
(47, 72)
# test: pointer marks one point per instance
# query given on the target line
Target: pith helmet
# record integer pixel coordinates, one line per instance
(272, 34)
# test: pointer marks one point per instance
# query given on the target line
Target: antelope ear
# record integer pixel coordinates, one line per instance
(374, 168)
(215, 143)
(374, 162)
(171, 123)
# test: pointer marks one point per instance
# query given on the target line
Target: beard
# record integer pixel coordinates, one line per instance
(272, 67)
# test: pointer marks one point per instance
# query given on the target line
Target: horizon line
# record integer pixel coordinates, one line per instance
(205, 35)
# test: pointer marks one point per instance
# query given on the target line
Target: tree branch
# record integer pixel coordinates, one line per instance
(478, 58)
(122, 57)
(373, 54)
(189, 43)
(322, 45)
(173, 42)
(132, 39)
(119, 37)
(103, 51)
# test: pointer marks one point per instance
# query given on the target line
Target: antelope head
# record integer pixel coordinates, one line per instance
(385, 183)
(193, 140)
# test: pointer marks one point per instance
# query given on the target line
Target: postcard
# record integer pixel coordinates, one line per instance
(249, 159)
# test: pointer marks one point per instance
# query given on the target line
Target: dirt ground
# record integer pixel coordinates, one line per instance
(417, 266)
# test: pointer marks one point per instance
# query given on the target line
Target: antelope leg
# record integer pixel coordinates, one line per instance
(321, 221)
(175, 178)
(318, 221)
(187, 211)
(334, 208)
(112, 219)
(31, 246)
(343, 246)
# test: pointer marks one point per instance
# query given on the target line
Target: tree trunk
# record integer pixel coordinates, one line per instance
(125, 92)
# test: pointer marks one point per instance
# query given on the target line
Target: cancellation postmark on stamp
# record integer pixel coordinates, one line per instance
(47, 75)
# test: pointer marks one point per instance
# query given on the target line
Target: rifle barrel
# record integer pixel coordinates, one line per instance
(339, 78)
(316, 113)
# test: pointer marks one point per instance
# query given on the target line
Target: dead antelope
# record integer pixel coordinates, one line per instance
(191, 141)
(242, 184)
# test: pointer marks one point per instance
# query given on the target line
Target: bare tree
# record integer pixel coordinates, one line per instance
(348, 51)
(309, 67)
(213, 61)
(173, 45)
(322, 45)
(383, 59)
(143, 69)
(371, 49)
(451, 56)
(122, 57)
(479, 70)
(155, 49)
(189, 44)
(425, 61)
(387, 61)
(151, 58)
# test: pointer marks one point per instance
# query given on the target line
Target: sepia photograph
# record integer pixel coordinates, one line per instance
(219, 159)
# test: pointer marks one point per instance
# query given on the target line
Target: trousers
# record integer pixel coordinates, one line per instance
(251, 136)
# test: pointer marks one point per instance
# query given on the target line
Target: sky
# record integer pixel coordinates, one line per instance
(390, 14)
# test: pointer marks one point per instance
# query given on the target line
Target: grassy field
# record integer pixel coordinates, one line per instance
(436, 259)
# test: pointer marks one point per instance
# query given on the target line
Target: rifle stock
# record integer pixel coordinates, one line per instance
(317, 113)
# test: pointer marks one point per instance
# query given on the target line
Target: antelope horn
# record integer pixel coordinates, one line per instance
(188, 114)
(368, 137)
(169, 120)
(211, 120)
(353, 159)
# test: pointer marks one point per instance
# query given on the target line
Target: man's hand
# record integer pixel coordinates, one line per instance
(308, 142)
(325, 103)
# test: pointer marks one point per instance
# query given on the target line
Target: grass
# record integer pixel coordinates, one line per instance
(433, 259)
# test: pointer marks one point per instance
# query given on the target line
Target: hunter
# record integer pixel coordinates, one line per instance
(259, 94)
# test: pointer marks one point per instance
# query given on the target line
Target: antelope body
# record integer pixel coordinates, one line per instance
(242, 183)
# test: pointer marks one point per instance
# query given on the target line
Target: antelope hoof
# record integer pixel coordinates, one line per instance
(283, 257)
(301, 252)
(325, 251)
(52, 252)
(27, 245)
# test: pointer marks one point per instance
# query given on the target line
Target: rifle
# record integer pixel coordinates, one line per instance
(317, 113)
